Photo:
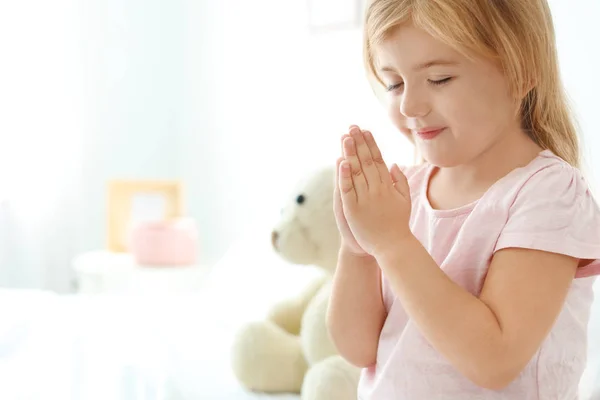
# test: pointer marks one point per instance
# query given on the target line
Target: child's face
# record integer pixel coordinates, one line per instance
(469, 100)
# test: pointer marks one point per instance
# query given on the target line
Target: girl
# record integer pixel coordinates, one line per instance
(465, 277)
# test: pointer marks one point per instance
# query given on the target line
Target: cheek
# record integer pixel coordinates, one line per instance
(399, 121)
(394, 112)
(476, 113)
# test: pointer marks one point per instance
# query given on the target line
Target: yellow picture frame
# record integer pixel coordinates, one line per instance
(125, 198)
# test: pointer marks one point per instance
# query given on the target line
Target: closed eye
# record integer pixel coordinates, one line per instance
(394, 87)
(441, 81)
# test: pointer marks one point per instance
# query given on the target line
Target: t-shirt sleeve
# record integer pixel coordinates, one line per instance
(555, 211)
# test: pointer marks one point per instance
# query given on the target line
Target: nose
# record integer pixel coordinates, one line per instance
(413, 104)
(274, 237)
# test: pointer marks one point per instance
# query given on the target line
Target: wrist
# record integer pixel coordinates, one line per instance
(399, 250)
(349, 251)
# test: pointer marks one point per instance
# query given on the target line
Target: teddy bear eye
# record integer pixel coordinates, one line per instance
(300, 199)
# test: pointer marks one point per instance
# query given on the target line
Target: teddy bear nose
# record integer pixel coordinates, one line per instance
(274, 237)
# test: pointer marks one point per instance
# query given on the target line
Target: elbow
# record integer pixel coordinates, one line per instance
(360, 359)
(365, 360)
(359, 355)
(495, 377)
(492, 381)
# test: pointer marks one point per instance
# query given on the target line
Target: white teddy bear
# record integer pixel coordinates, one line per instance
(291, 350)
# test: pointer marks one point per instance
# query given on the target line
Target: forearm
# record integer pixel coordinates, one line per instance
(356, 312)
(455, 322)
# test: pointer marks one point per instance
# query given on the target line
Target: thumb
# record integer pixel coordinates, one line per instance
(337, 196)
(399, 181)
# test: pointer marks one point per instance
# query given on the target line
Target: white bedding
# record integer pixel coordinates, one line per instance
(119, 347)
(112, 347)
(173, 347)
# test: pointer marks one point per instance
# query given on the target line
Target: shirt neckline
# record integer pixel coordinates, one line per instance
(466, 208)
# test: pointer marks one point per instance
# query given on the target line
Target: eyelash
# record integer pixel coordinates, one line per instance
(435, 83)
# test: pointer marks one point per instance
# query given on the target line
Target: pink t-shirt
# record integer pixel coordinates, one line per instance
(546, 206)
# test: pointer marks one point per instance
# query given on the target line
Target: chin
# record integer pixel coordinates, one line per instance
(441, 159)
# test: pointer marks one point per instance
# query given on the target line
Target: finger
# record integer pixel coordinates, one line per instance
(400, 181)
(344, 136)
(364, 157)
(377, 158)
(337, 199)
(346, 184)
(337, 171)
(357, 175)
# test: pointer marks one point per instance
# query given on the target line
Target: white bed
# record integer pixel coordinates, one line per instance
(106, 347)
(172, 347)
(139, 347)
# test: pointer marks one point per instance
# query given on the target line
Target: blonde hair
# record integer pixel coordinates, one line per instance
(518, 34)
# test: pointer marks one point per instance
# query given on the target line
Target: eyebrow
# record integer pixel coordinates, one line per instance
(424, 65)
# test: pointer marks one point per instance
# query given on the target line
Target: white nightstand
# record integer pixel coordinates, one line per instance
(107, 272)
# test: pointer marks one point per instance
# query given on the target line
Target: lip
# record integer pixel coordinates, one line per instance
(428, 133)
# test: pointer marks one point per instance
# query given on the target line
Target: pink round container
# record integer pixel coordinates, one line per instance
(165, 243)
